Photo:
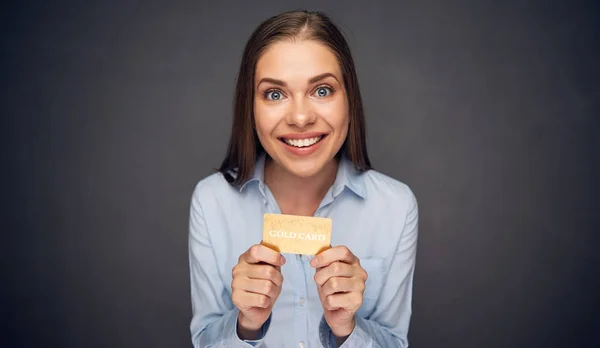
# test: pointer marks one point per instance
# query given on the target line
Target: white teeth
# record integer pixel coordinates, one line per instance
(302, 142)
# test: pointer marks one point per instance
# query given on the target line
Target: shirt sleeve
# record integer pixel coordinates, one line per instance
(214, 319)
(388, 325)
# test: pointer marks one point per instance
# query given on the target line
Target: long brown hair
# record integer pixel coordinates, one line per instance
(244, 146)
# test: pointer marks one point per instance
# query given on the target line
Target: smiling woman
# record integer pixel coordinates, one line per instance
(297, 147)
(295, 52)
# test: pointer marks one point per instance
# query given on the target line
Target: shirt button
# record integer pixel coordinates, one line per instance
(302, 301)
(301, 344)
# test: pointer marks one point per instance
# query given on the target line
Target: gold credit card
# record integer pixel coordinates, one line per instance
(296, 234)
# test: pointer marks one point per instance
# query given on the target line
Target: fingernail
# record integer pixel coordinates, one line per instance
(281, 259)
(314, 262)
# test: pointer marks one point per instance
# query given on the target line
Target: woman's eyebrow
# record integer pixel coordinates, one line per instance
(273, 81)
(322, 77)
(311, 80)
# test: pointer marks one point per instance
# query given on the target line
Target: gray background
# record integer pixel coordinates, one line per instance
(112, 111)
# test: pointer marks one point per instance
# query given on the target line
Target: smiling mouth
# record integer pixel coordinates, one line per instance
(300, 143)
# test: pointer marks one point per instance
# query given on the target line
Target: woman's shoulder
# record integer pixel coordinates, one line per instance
(386, 189)
(212, 186)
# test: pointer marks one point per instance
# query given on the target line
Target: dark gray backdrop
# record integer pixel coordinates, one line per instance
(112, 111)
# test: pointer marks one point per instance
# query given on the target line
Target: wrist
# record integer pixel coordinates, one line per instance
(246, 329)
(342, 332)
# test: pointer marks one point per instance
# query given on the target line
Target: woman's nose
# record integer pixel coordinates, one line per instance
(301, 114)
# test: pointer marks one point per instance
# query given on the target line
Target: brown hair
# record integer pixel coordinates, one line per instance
(244, 146)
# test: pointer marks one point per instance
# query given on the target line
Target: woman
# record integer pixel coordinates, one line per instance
(298, 147)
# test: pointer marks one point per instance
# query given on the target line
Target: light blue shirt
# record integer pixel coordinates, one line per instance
(375, 216)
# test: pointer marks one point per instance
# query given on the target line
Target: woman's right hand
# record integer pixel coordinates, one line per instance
(255, 286)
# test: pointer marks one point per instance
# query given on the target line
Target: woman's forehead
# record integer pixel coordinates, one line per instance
(296, 60)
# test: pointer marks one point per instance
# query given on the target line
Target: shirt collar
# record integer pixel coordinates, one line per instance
(258, 175)
(347, 177)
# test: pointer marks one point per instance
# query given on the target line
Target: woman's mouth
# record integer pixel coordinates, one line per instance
(306, 142)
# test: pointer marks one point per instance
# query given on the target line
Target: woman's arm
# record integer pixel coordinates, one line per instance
(388, 325)
(214, 321)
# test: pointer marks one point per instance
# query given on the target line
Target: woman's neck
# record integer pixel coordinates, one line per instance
(296, 195)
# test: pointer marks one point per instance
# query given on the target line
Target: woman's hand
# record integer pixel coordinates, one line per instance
(255, 286)
(340, 282)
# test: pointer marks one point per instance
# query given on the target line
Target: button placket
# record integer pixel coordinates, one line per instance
(301, 295)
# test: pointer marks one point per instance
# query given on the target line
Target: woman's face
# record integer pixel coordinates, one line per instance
(300, 106)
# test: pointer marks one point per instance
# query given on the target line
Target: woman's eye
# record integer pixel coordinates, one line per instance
(273, 95)
(323, 92)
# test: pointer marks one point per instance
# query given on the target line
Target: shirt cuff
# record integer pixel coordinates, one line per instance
(359, 337)
(261, 334)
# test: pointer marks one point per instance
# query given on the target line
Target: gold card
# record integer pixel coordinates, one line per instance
(296, 234)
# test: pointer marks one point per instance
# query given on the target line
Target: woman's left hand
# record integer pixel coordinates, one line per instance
(340, 282)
